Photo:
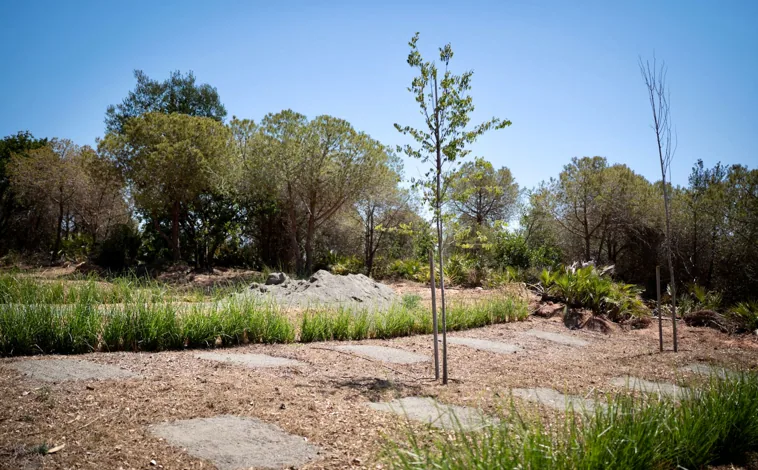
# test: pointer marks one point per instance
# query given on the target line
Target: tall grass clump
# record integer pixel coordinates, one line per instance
(715, 424)
(408, 318)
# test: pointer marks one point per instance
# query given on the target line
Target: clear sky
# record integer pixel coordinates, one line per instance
(564, 72)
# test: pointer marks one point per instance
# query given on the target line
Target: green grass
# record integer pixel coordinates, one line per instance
(713, 424)
(42, 317)
(19, 289)
(403, 321)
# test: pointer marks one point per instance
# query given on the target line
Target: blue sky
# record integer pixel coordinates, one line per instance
(564, 72)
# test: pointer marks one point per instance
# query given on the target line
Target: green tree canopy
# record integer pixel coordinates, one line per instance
(169, 160)
(482, 195)
(177, 94)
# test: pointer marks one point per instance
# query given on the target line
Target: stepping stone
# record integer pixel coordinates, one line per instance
(59, 370)
(555, 399)
(250, 360)
(711, 371)
(485, 345)
(233, 442)
(428, 410)
(394, 355)
(646, 386)
(557, 338)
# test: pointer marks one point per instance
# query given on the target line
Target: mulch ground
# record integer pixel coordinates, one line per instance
(104, 424)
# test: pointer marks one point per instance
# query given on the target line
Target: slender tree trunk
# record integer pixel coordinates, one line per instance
(175, 232)
(309, 245)
(658, 306)
(438, 208)
(57, 244)
(432, 275)
(670, 258)
(294, 245)
(369, 254)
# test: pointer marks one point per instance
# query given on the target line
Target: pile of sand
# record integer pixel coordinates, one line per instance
(324, 289)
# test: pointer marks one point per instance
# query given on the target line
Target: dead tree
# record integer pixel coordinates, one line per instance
(658, 94)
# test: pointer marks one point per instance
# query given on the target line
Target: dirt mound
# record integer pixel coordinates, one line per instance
(709, 318)
(324, 289)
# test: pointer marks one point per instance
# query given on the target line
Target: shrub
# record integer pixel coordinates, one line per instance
(120, 249)
(745, 316)
(699, 298)
(410, 269)
(592, 288)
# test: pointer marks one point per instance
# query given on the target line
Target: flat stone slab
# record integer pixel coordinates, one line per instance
(557, 338)
(555, 399)
(250, 360)
(485, 345)
(60, 370)
(428, 410)
(711, 371)
(385, 354)
(661, 388)
(233, 442)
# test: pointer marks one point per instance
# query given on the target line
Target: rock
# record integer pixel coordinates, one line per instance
(274, 279)
(549, 309)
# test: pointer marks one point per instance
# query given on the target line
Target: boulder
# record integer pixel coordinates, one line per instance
(274, 279)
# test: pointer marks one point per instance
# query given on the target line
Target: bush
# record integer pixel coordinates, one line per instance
(591, 288)
(120, 249)
(410, 269)
(512, 249)
(745, 316)
(699, 298)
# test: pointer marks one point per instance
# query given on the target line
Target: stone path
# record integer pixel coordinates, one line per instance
(233, 442)
(382, 353)
(250, 360)
(555, 399)
(557, 338)
(428, 410)
(661, 388)
(485, 345)
(711, 371)
(59, 370)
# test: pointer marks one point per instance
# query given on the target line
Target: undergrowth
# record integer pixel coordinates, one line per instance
(591, 288)
(713, 425)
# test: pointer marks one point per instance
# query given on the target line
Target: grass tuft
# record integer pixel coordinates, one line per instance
(716, 424)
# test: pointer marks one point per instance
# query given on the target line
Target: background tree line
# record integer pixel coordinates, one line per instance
(173, 180)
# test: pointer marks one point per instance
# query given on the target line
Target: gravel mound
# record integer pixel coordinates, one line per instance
(324, 289)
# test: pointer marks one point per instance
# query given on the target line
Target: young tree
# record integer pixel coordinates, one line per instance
(169, 160)
(658, 96)
(446, 107)
(177, 94)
